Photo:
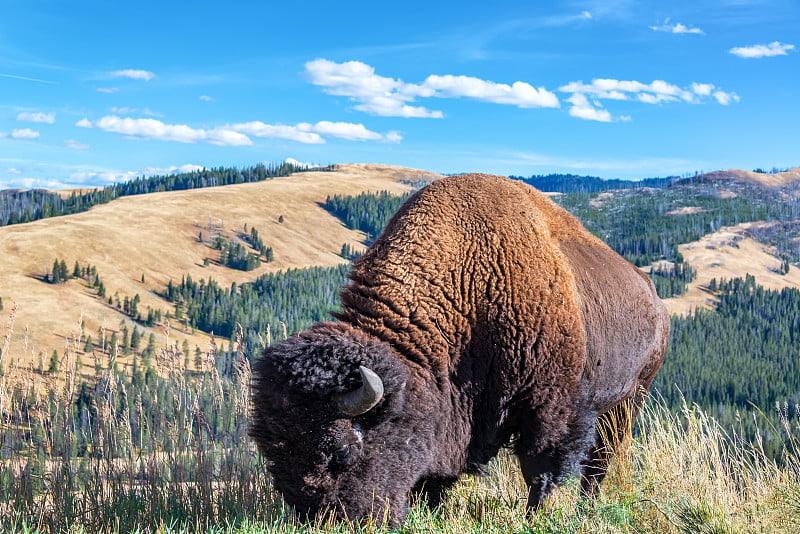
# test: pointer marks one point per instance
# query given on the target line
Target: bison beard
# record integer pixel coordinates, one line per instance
(483, 316)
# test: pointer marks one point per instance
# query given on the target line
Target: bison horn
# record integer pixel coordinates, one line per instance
(365, 397)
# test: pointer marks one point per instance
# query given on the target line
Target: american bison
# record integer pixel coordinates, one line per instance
(484, 316)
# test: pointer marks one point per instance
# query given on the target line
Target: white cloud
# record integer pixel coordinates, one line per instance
(757, 51)
(586, 14)
(377, 95)
(702, 89)
(346, 130)
(392, 137)
(726, 98)
(38, 116)
(518, 94)
(14, 171)
(652, 93)
(389, 97)
(95, 178)
(133, 74)
(108, 90)
(676, 28)
(656, 92)
(155, 129)
(75, 145)
(161, 171)
(206, 98)
(583, 109)
(308, 133)
(98, 177)
(237, 134)
(25, 133)
(292, 161)
(301, 133)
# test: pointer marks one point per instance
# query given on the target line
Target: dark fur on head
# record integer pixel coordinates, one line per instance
(304, 435)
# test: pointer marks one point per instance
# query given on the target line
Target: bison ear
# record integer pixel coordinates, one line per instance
(363, 399)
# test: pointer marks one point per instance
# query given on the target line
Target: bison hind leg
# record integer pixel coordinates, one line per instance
(613, 434)
(431, 489)
(545, 468)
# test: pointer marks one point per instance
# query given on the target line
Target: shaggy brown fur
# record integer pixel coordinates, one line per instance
(493, 318)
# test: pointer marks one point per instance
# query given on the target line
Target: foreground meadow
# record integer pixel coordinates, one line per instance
(166, 449)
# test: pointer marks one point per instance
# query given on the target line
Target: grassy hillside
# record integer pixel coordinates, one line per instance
(155, 237)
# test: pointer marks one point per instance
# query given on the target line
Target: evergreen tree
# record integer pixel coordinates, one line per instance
(76, 271)
(134, 306)
(53, 368)
(185, 353)
(136, 337)
(55, 277)
(88, 347)
(126, 340)
(151, 345)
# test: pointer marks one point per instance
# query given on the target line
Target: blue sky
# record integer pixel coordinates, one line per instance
(96, 92)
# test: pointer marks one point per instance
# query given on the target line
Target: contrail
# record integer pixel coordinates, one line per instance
(25, 78)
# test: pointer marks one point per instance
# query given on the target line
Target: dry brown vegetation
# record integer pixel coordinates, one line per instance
(686, 210)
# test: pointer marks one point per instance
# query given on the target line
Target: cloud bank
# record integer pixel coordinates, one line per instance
(390, 97)
(133, 74)
(308, 133)
(774, 48)
(236, 134)
(38, 116)
(677, 28)
(656, 92)
(25, 133)
(155, 129)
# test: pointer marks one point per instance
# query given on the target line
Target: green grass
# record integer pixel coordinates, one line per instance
(171, 454)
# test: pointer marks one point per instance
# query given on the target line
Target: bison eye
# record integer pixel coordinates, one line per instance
(351, 450)
(347, 454)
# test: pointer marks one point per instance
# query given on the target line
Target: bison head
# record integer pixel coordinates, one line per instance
(330, 413)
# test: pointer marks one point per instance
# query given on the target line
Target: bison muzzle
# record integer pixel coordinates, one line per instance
(484, 316)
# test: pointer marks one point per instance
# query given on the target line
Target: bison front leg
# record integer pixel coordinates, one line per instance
(544, 468)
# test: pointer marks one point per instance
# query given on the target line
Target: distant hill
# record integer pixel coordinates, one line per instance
(770, 179)
(21, 206)
(573, 183)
